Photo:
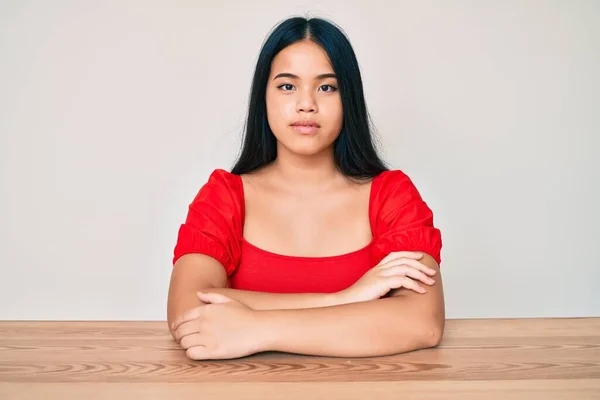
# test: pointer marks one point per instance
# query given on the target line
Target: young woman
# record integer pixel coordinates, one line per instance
(310, 244)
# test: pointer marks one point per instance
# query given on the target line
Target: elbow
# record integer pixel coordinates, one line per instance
(424, 335)
(170, 321)
(433, 328)
(432, 334)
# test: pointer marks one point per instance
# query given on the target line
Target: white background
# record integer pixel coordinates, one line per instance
(114, 113)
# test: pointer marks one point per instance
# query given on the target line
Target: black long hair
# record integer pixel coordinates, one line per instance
(354, 150)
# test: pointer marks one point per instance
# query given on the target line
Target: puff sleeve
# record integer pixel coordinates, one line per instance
(403, 221)
(213, 225)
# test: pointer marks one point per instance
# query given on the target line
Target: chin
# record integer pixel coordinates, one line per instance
(305, 145)
(307, 150)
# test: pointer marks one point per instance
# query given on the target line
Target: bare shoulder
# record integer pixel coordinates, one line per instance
(259, 180)
(358, 184)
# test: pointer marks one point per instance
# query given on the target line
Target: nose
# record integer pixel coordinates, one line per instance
(306, 103)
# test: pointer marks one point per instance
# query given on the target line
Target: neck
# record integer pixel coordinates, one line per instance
(315, 172)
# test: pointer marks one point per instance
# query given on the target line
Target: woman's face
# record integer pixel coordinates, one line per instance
(302, 89)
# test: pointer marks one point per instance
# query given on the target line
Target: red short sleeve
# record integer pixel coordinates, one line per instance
(213, 225)
(403, 221)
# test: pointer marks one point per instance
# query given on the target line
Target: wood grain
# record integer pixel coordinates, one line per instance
(507, 358)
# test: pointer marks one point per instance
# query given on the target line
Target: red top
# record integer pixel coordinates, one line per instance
(400, 220)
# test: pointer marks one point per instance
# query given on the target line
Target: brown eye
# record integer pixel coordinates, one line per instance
(286, 87)
(331, 88)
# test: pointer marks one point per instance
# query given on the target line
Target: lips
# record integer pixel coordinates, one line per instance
(306, 123)
(306, 127)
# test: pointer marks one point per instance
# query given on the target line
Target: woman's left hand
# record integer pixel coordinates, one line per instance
(223, 328)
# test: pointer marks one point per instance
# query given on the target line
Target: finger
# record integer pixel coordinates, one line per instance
(407, 271)
(195, 339)
(187, 316)
(413, 263)
(401, 254)
(396, 282)
(187, 328)
(197, 353)
(214, 298)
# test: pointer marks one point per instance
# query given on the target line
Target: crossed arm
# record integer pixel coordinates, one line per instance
(320, 324)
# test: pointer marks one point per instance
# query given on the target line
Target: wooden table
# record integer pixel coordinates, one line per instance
(477, 359)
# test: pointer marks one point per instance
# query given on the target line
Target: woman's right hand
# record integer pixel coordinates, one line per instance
(398, 269)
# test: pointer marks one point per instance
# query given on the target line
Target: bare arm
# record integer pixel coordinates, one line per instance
(192, 272)
(198, 272)
(404, 322)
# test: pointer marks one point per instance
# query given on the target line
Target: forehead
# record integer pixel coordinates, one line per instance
(304, 58)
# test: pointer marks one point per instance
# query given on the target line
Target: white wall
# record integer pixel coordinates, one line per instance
(114, 113)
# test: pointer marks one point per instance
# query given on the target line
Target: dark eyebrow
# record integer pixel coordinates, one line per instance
(292, 76)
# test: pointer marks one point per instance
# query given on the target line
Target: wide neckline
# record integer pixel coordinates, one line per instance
(287, 257)
(271, 254)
